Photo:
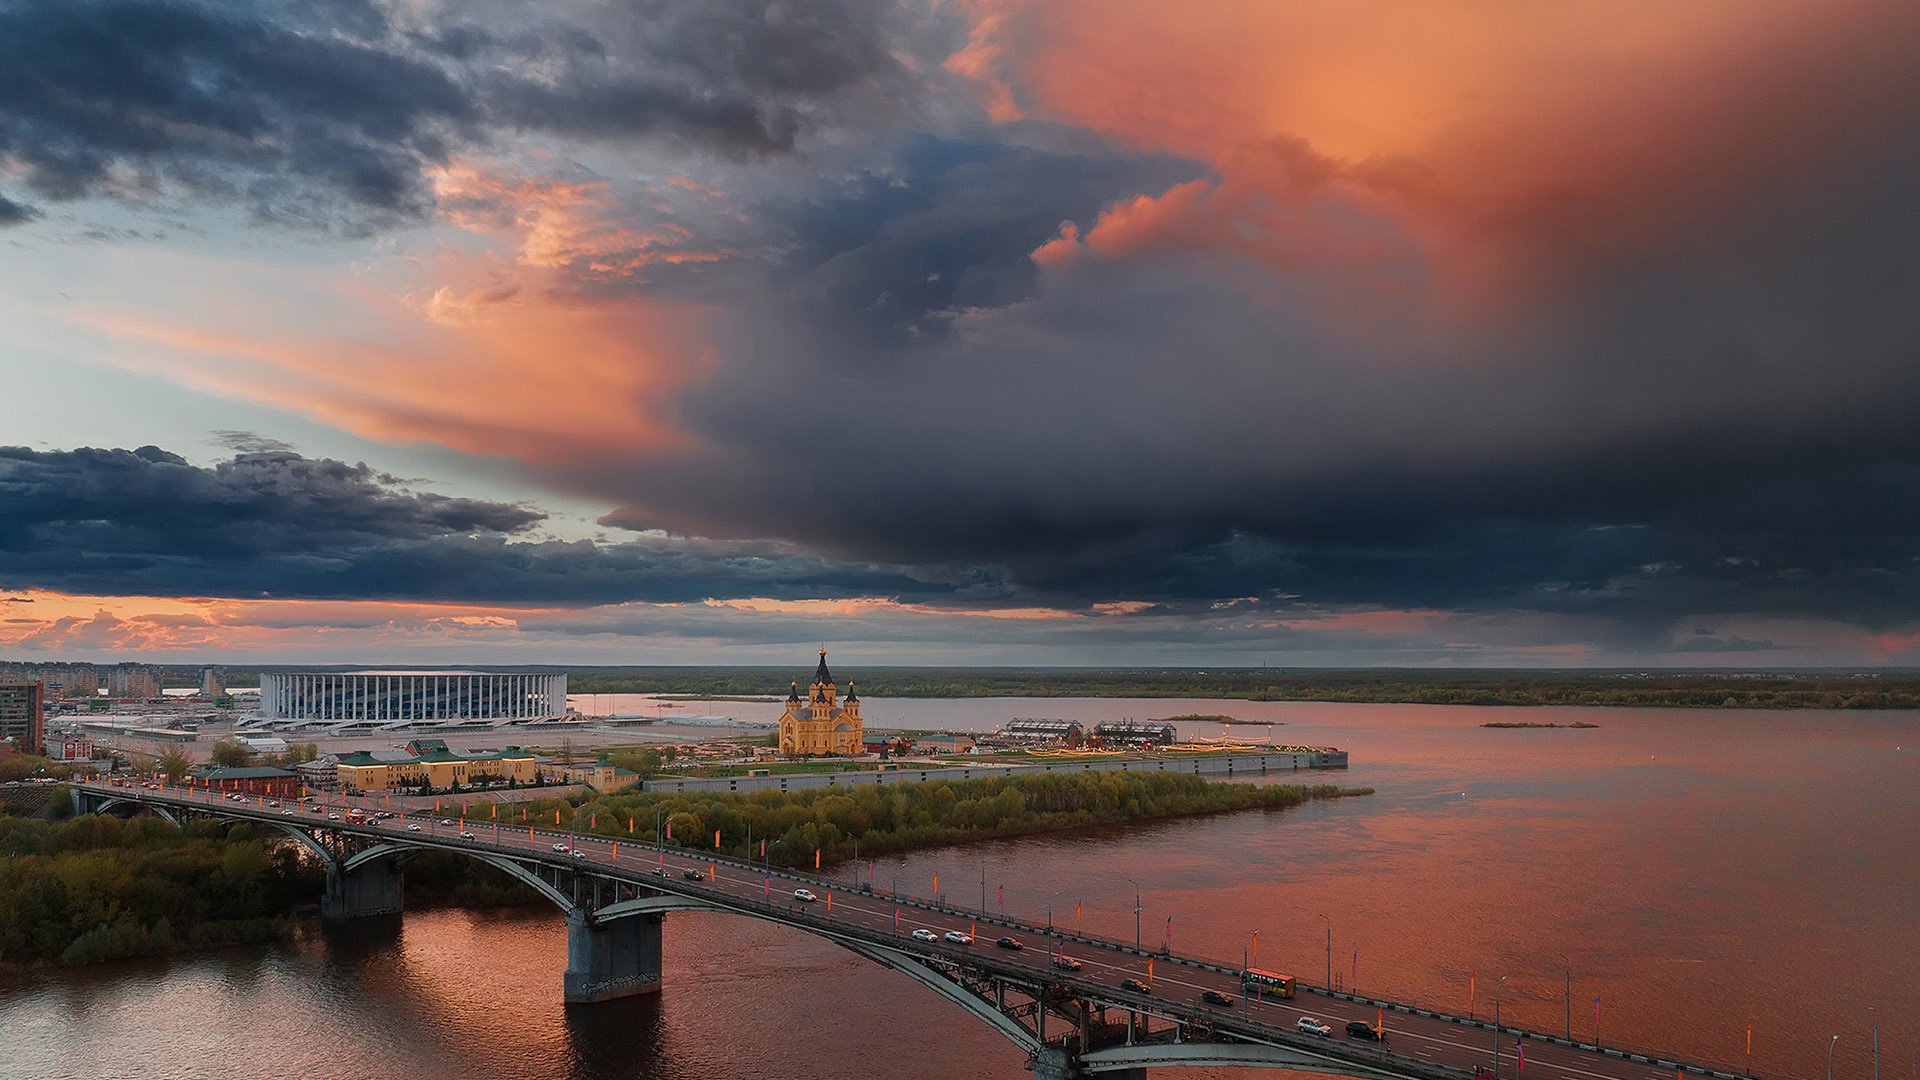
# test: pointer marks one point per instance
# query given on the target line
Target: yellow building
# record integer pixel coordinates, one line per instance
(430, 762)
(820, 724)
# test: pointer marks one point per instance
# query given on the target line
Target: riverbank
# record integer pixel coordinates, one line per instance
(827, 825)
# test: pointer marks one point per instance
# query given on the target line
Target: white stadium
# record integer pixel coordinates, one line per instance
(357, 702)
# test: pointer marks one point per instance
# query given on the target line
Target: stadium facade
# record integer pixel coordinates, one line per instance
(419, 697)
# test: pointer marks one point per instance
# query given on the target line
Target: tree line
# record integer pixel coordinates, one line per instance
(1777, 690)
(884, 818)
(100, 888)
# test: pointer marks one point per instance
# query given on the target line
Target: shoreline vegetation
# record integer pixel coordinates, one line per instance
(1693, 690)
(1523, 724)
(96, 889)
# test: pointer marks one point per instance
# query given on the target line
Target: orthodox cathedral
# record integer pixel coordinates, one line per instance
(819, 724)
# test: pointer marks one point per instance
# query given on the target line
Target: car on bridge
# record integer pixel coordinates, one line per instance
(447, 821)
(1360, 1029)
(415, 827)
(579, 854)
(1066, 963)
(1136, 986)
(559, 847)
(959, 937)
(925, 935)
(466, 836)
(1311, 1026)
(1010, 943)
(1215, 997)
(690, 874)
(805, 896)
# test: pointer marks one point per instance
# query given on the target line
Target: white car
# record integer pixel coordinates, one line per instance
(925, 935)
(559, 847)
(1310, 1026)
(804, 895)
(447, 821)
(333, 817)
(959, 938)
(415, 827)
(578, 854)
(466, 836)
(286, 813)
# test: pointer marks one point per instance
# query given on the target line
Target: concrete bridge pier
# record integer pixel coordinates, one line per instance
(614, 959)
(373, 889)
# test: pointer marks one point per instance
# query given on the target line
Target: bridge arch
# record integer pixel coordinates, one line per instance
(138, 805)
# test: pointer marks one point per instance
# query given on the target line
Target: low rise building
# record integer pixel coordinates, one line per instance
(597, 775)
(1040, 731)
(428, 765)
(1136, 733)
(254, 780)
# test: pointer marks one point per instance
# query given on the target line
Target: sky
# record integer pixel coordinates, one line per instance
(1010, 332)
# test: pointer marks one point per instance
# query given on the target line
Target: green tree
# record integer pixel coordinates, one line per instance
(230, 753)
(174, 763)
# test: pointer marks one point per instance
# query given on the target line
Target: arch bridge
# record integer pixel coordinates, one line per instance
(1071, 1020)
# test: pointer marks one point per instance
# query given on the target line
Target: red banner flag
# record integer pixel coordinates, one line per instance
(936, 883)
(1519, 1055)
(593, 820)
(763, 847)
(716, 839)
(669, 828)
(629, 826)
(816, 854)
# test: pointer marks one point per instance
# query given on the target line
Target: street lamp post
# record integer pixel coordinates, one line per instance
(1329, 923)
(1496, 1026)
(1136, 914)
(1568, 968)
(1830, 1045)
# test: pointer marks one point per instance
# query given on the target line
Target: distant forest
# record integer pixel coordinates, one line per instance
(1731, 690)
(1809, 690)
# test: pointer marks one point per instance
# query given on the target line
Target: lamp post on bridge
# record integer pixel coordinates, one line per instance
(1136, 914)
(1568, 968)
(1329, 923)
(1496, 1026)
(1830, 1045)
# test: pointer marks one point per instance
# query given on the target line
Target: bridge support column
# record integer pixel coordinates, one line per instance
(373, 889)
(615, 959)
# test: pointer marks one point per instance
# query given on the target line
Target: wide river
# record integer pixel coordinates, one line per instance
(1699, 873)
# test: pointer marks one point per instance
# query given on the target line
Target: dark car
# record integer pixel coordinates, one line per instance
(1009, 943)
(1136, 986)
(1360, 1029)
(691, 874)
(1215, 997)
(867, 887)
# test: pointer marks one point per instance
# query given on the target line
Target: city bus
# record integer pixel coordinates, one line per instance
(1267, 983)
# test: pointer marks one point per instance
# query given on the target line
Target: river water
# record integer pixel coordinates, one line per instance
(1696, 871)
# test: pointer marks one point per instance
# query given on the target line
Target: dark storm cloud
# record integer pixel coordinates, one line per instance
(1722, 430)
(14, 213)
(329, 115)
(270, 522)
